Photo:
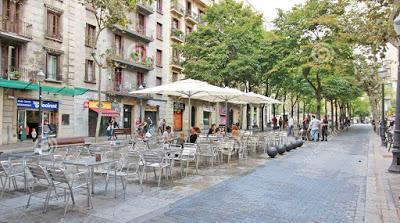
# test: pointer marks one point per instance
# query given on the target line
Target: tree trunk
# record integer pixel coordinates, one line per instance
(304, 110)
(298, 112)
(326, 107)
(332, 125)
(100, 106)
(319, 98)
(336, 115)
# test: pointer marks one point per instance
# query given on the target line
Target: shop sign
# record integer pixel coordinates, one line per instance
(207, 108)
(179, 106)
(34, 104)
(95, 104)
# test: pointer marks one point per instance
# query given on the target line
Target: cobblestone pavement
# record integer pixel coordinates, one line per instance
(322, 182)
(319, 182)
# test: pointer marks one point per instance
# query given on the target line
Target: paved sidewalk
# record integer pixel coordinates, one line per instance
(383, 188)
(27, 145)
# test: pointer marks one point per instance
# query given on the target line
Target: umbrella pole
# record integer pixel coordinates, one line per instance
(190, 114)
(226, 116)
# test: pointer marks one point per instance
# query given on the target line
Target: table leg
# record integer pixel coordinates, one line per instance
(115, 182)
(92, 178)
(88, 187)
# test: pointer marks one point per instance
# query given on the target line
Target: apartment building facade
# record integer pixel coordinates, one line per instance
(58, 37)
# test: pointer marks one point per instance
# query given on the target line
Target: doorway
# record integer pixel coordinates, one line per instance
(193, 118)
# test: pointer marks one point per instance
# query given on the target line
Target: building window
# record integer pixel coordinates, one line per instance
(159, 6)
(117, 79)
(159, 58)
(118, 45)
(159, 31)
(158, 81)
(65, 119)
(175, 24)
(53, 67)
(53, 25)
(141, 52)
(188, 30)
(141, 28)
(140, 79)
(90, 75)
(189, 7)
(174, 76)
(90, 37)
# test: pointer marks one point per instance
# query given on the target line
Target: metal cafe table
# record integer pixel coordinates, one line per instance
(90, 163)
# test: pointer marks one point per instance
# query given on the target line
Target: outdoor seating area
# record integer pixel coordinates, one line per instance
(92, 170)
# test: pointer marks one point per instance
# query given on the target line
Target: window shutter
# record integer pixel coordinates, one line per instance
(49, 24)
(86, 70)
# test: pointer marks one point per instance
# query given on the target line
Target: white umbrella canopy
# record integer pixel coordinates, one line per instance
(191, 89)
(264, 99)
(185, 88)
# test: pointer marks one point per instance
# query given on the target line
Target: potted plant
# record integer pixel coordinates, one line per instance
(14, 75)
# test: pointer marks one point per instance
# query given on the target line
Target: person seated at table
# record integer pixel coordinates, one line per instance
(235, 131)
(194, 134)
(212, 130)
(181, 139)
(168, 135)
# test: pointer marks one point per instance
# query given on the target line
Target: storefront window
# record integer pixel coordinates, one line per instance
(206, 119)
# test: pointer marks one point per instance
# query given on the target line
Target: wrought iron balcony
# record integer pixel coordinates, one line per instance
(132, 61)
(16, 30)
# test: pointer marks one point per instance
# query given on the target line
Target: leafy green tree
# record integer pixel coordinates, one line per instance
(225, 50)
(107, 14)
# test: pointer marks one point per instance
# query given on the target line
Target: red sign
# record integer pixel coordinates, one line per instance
(86, 104)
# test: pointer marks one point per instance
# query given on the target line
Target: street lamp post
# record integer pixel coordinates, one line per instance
(383, 73)
(40, 76)
(141, 105)
(395, 166)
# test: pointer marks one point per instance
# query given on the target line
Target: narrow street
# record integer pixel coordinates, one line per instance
(320, 182)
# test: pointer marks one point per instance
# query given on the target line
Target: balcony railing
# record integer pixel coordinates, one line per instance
(177, 8)
(177, 34)
(119, 87)
(18, 27)
(133, 60)
(144, 7)
(176, 61)
(136, 31)
(19, 73)
(192, 16)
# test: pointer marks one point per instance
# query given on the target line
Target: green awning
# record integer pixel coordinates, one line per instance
(23, 85)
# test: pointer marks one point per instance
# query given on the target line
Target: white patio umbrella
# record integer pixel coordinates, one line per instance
(190, 89)
(233, 96)
(264, 99)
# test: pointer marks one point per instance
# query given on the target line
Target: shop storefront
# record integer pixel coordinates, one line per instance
(152, 113)
(207, 116)
(106, 115)
(178, 116)
(222, 116)
(28, 115)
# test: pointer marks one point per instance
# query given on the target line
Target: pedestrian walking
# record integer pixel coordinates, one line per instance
(324, 129)
(314, 128)
(149, 124)
(114, 125)
(274, 123)
(34, 135)
(280, 123)
(160, 126)
(109, 131)
(290, 126)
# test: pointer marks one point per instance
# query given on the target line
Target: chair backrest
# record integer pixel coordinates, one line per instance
(205, 149)
(7, 167)
(189, 149)
(132, 161)
(58, 175)
(152, 157)
(140, 146)
(39, 173)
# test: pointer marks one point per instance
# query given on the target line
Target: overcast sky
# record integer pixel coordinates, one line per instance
(268, 7)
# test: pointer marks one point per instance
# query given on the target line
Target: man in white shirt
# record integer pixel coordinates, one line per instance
(314, 127)
(290, 126)
(168, 135)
